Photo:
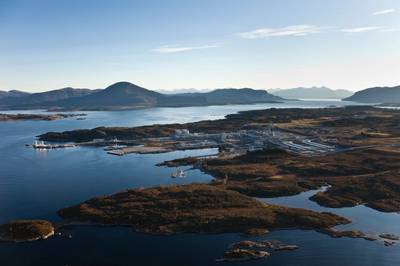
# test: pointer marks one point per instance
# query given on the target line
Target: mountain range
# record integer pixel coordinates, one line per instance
(311, 93)
(12, 93)
(33, 100)
(125, 95)
(234, 96)
(182, 91)
(377, 95)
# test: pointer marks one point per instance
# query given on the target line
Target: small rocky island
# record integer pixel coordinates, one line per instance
(43, 117)
(254, 250)
(26, 230)
(195, 208)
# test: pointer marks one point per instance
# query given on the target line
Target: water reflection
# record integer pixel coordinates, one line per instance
(362, 217)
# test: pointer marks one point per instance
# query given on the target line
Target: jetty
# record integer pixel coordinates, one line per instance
(41, 145)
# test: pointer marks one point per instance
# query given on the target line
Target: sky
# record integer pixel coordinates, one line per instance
(202, 44)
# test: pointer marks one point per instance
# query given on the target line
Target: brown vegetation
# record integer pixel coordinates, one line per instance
(26, 230)
(366, 175)
(193, 208)
(180, 162)
(347, 119)
(370, 177)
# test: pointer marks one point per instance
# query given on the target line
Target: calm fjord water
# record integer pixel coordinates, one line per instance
(35, 184)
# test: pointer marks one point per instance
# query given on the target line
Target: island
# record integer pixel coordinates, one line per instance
(253, 250)
(205, 208)
(26, 230)
(44, 117)
(194, 208)
(238, 254)
(352, 151)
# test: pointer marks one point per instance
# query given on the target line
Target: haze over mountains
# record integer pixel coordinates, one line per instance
(311, 93)
(181, 91)
(125, 95)
(12, 93)
(235, 96)
(34, 99)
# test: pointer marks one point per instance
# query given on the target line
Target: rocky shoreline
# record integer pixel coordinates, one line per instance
(356, 177)
(26, 230)
(227, 205)
(365, 172)
(195, 208)
(254, 250)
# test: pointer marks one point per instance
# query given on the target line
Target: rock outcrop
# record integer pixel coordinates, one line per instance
(26, 230)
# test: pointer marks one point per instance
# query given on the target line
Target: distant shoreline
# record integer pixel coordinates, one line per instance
(42, 117)
(129, 108)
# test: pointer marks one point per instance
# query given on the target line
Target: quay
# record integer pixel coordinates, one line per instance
(40, 145)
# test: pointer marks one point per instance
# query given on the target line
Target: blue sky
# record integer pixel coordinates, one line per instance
(165, 45)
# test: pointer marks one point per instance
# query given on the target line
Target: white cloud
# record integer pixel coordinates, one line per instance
(384, 12)
(390, 30)
(296, 30)
(178, 49)
(360, 29)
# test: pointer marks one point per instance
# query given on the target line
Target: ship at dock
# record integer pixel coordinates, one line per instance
(41, 145)
(178, 173)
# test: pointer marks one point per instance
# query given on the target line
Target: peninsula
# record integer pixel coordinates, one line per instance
(278, 152)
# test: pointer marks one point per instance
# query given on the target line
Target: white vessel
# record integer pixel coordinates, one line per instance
(40, 145)
(178, 173)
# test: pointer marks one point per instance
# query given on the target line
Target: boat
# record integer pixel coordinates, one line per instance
(41, 145)
(179, 173)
